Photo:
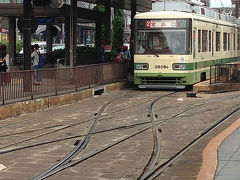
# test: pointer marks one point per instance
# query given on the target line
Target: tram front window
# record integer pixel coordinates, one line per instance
(161, 41)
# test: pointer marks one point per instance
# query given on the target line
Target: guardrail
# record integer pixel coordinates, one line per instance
(225, 73)
(22, 85)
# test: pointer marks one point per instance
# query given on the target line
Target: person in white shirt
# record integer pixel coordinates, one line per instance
(35, 59)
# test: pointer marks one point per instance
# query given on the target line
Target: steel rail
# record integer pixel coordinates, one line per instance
(80, 146)
(102, 149)
(111, 129)
(156, 136)
(164, 166)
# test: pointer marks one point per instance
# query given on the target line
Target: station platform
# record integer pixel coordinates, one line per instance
(221, 157)
(205, 86)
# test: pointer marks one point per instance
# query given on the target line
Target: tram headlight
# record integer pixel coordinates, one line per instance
(179, 66)
(141, 66)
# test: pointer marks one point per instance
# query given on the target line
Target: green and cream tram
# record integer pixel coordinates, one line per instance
(175, 49)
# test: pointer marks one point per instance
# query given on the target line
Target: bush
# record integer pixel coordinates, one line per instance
(19, 46)
(6, 43)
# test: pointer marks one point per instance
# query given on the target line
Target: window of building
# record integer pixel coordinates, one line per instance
(199, 40)
(229, 41)
(224, 41)
(210, 41)
(234, 45)
(204, 40)
(238, 41)
(218, 34)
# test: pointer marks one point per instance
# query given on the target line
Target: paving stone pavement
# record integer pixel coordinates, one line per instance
(229, 158)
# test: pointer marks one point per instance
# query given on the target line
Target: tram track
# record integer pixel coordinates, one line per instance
(83, 143)
(116, 128)
(160, 169)
(61, 127)
(142, 130)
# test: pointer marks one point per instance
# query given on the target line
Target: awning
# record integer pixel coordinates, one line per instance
(142, 5)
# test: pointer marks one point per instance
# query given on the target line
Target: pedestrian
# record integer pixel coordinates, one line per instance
(35, 59)
(101, 52)
(120, 55)
(3, 65)
(127, 55)
(3, 53)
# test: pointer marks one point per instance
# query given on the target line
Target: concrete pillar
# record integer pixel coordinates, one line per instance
(132, 44)
(12, 39)
(107, 23)
(49, 42)
(73, 33)
(108, 30)
(98, 33)
(67, 40)
(27, 15)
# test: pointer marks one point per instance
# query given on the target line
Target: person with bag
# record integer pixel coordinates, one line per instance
(120, 56)
(35, 60)
(3, 65)
(3, 53)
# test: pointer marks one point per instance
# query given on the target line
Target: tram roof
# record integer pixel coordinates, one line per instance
(178, 15)
(141, 5)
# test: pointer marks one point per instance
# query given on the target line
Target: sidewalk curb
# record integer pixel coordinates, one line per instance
(11, 110)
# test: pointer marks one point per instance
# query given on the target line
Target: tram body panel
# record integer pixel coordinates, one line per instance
(203, 42)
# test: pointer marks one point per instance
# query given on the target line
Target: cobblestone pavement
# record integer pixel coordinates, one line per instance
(123, 161)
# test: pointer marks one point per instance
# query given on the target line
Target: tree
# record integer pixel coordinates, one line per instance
(118, 24)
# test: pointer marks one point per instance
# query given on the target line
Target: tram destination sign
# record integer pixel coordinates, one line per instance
(161, 23)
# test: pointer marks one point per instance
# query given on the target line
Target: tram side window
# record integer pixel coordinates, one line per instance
(224, 41)
(218, 34)
(210, 40)
(229, 46)
(204, 40)
(199, 40)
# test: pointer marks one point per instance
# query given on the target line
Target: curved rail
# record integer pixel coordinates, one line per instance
(164, 166)
(156, 136)
(83, 143)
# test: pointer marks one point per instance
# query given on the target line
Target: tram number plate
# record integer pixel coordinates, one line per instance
(161, 67)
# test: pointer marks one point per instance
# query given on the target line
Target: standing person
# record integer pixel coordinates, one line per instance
(127, 57)
(120, 56)
(3, 64)
(35, 59)
(3, 53)
(101, 52)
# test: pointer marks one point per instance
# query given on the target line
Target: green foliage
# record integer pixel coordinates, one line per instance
(6, 43)
(101, 8)
(118, 29)
(19, 46)
(82, 50)
(60, 53)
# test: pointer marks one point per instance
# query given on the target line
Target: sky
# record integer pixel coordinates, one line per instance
(220, 3)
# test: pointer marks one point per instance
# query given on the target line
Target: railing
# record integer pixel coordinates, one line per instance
(22, 85)
(225, 73)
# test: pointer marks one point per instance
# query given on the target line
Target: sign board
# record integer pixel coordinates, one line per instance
(161, 23)
(107, 48)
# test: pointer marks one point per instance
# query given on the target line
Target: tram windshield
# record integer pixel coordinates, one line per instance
(163, 37)
(161, 42)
